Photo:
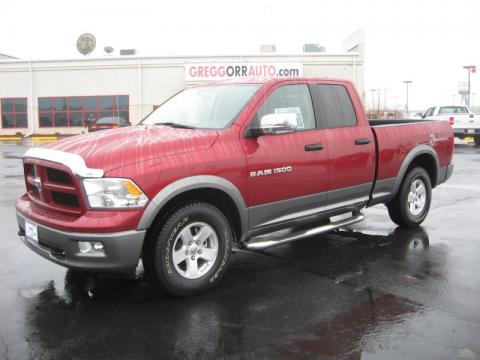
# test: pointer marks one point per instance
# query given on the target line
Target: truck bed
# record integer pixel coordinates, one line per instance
(397, 137)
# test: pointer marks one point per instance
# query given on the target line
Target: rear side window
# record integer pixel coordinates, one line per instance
(335, 106)
(292, 99)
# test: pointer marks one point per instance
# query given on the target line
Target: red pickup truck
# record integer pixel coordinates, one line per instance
(244, 164)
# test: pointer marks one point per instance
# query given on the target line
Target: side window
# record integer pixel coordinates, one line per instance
(335, 106)
(292, 99)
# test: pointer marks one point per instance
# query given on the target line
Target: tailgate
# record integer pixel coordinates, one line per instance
(466, 121)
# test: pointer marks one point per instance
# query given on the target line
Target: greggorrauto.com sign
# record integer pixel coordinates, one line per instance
(225, 71)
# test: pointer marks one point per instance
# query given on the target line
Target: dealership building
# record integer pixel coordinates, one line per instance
(44, 97)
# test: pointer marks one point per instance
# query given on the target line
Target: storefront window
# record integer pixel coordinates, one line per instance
(14, 113)
(80, 110)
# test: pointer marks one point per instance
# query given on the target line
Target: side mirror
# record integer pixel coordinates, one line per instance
(273, 124)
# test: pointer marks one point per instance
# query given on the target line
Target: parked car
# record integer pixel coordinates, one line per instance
(110, 122)
(221, 166)
(414, 115)
(463, 121)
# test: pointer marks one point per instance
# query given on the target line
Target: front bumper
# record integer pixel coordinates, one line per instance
(121, 249)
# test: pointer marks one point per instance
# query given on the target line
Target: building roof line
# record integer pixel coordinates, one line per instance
(153, 57)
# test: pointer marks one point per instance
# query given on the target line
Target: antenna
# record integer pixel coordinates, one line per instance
(86, 43)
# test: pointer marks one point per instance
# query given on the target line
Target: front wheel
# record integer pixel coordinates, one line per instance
(411, 205)
(189, 251)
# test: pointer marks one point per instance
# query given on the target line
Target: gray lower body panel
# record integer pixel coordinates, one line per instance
(383, 191)
(291, 209)
(121, 256)
(445, 173)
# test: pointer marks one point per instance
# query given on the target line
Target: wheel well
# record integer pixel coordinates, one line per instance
(427, 162)
(213, 196)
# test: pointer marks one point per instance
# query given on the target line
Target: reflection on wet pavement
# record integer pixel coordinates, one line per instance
(371, 291)
(287, 309)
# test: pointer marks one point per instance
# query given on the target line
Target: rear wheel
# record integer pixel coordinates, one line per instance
(412, 203)
(189, 251)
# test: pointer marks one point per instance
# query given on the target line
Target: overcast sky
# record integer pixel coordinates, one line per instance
(427, 42)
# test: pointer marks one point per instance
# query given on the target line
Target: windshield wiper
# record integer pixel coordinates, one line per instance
(175, 125)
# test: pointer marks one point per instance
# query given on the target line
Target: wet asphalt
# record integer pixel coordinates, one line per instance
(371, 291)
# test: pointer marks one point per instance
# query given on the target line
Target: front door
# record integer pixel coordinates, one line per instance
(287, 173)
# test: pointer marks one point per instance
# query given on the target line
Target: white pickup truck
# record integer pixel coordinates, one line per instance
(463, 121)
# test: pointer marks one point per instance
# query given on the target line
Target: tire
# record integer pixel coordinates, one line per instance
(411, 204)
(477, 140)
(188, 251)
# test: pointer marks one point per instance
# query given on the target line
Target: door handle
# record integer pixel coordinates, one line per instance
(363, 141)
(314, 147)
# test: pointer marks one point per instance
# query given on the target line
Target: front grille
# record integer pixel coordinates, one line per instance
(65, 199)
(52, 187)
(58, 176)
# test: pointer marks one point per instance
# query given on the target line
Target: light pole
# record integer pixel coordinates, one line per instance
(385, 99)
(469, 68)
(373, 98)
(378, 101)
(406, 82)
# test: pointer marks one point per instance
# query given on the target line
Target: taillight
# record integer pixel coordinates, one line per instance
(451, 120)
(113, 126)
(94, 126)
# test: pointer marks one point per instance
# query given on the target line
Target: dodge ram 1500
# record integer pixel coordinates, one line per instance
(247, 164)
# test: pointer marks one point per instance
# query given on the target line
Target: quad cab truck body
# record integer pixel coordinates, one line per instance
(244, 164)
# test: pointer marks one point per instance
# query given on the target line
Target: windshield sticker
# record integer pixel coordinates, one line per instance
(292, 110)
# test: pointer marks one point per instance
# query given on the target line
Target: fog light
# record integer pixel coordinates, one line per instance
(89, 247)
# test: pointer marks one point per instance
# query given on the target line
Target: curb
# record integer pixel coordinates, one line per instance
(44, 138)
(10, 138)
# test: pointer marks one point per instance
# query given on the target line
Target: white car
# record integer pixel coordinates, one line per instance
(464, 122)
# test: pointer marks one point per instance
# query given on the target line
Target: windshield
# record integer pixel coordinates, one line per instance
(208, 107)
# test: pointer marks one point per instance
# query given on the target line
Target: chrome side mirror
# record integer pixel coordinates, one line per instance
(283, 123)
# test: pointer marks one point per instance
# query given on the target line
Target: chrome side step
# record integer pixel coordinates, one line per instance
(271, 241)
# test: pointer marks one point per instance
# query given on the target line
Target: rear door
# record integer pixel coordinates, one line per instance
(287, 173)
(350, 144)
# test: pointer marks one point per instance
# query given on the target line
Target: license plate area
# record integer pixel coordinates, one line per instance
(31, 232)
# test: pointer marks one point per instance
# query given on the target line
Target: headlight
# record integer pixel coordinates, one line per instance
(108, 193)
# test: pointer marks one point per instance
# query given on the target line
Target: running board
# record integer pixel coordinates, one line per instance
(280, 240)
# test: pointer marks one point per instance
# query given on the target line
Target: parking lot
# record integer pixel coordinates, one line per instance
(371, 291)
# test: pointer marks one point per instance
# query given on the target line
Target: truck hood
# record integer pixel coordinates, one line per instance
(111, 149)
